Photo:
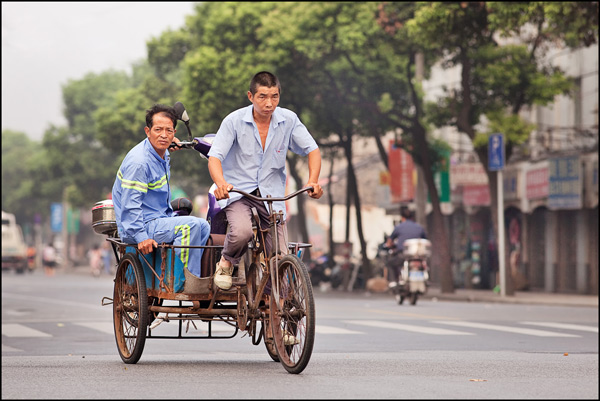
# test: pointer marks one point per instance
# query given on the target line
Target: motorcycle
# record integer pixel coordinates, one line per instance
(414, 273)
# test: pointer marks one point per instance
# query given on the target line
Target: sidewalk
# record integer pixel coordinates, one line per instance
(464, 295)
(520, 297)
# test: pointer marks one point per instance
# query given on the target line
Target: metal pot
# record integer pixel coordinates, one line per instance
(104, 220)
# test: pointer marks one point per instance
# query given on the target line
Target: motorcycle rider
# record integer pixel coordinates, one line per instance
(408, 228)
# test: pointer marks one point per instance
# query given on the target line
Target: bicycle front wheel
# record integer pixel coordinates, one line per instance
(293, 315)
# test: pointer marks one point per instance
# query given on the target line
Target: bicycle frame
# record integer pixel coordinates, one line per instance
(275, 218)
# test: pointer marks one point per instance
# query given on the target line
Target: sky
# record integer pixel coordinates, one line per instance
(46, 44)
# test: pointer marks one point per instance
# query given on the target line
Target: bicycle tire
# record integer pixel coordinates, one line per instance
(297, 316)
(253, 279)
(130, 309)
(269, 343)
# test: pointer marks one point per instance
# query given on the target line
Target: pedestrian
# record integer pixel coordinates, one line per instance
(49, 259)
(31, 253)
(106, 257)
(95, 259)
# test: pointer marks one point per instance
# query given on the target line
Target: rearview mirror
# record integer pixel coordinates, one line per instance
(181, 113)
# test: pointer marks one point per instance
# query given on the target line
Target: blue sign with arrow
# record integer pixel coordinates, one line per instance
(496, 152)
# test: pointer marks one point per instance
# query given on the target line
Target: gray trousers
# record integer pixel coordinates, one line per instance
(239, 233)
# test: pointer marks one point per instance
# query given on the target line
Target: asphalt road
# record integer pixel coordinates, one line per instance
(57, 342)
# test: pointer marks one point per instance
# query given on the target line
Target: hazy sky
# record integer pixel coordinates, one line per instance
(45, 44)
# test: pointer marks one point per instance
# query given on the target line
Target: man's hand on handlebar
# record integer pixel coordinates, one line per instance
(175, 145)
(222, 191)
(147, 246)
(316, 192)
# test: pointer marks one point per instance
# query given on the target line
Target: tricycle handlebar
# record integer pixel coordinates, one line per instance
(269, 198)
(183, 144)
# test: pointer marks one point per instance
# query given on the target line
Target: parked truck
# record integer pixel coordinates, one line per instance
(14, 249)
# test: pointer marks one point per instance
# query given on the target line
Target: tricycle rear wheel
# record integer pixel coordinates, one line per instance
(130, 309)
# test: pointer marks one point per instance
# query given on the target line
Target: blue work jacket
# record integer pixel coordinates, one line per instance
(141, 191)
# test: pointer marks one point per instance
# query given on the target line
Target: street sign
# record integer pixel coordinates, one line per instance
(496, 152)
(56, 217)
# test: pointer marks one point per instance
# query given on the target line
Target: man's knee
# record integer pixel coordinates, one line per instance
(240, 235)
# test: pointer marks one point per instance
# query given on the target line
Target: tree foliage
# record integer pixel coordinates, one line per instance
(347, 68)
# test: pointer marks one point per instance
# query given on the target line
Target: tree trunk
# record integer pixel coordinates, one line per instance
(439, 237)
(352, 188)
(331, 203)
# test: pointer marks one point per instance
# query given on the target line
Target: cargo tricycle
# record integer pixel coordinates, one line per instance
(271, 298)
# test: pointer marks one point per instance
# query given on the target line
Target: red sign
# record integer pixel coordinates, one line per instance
(537, 183)
(402, 187)
(467, 174)
(476, 195)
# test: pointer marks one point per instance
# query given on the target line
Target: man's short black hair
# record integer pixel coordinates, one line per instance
(407, 213)
(161, 108)
(264, 78)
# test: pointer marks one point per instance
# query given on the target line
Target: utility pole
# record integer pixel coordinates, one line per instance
(65, 231)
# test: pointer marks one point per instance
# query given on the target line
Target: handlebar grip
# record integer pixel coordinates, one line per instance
(182, 144)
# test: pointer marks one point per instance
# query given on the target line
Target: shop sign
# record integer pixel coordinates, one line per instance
(565, 183)
(476, 195)
(590, 167)
(536, 185)
(511, 184)
(467, 174)
(441, 179)
(401, 167)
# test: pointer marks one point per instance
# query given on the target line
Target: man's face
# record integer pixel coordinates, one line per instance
(265, 100)
(161, 134)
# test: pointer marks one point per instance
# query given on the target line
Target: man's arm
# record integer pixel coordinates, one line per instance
(314, 169)
(216, 173)
(134, 188)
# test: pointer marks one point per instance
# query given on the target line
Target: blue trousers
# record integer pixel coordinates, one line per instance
(182, 230)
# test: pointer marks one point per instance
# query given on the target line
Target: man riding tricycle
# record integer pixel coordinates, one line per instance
(236, 266)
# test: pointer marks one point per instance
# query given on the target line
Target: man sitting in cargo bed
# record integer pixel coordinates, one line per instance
(141, 195)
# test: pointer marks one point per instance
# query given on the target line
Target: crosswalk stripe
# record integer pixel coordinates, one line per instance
(531, 332)
(564, 326)
(105, 327)
(408, 327)
(334, 330)
(18, 330)
(6, 348)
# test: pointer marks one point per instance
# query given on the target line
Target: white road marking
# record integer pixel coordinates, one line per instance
(105, 327)
(18, 330)
(6, 348)
(334, 330)
(408, 327)
(564, 326)
(530, 332)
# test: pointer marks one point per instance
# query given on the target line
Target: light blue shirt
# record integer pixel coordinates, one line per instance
(245, 165)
